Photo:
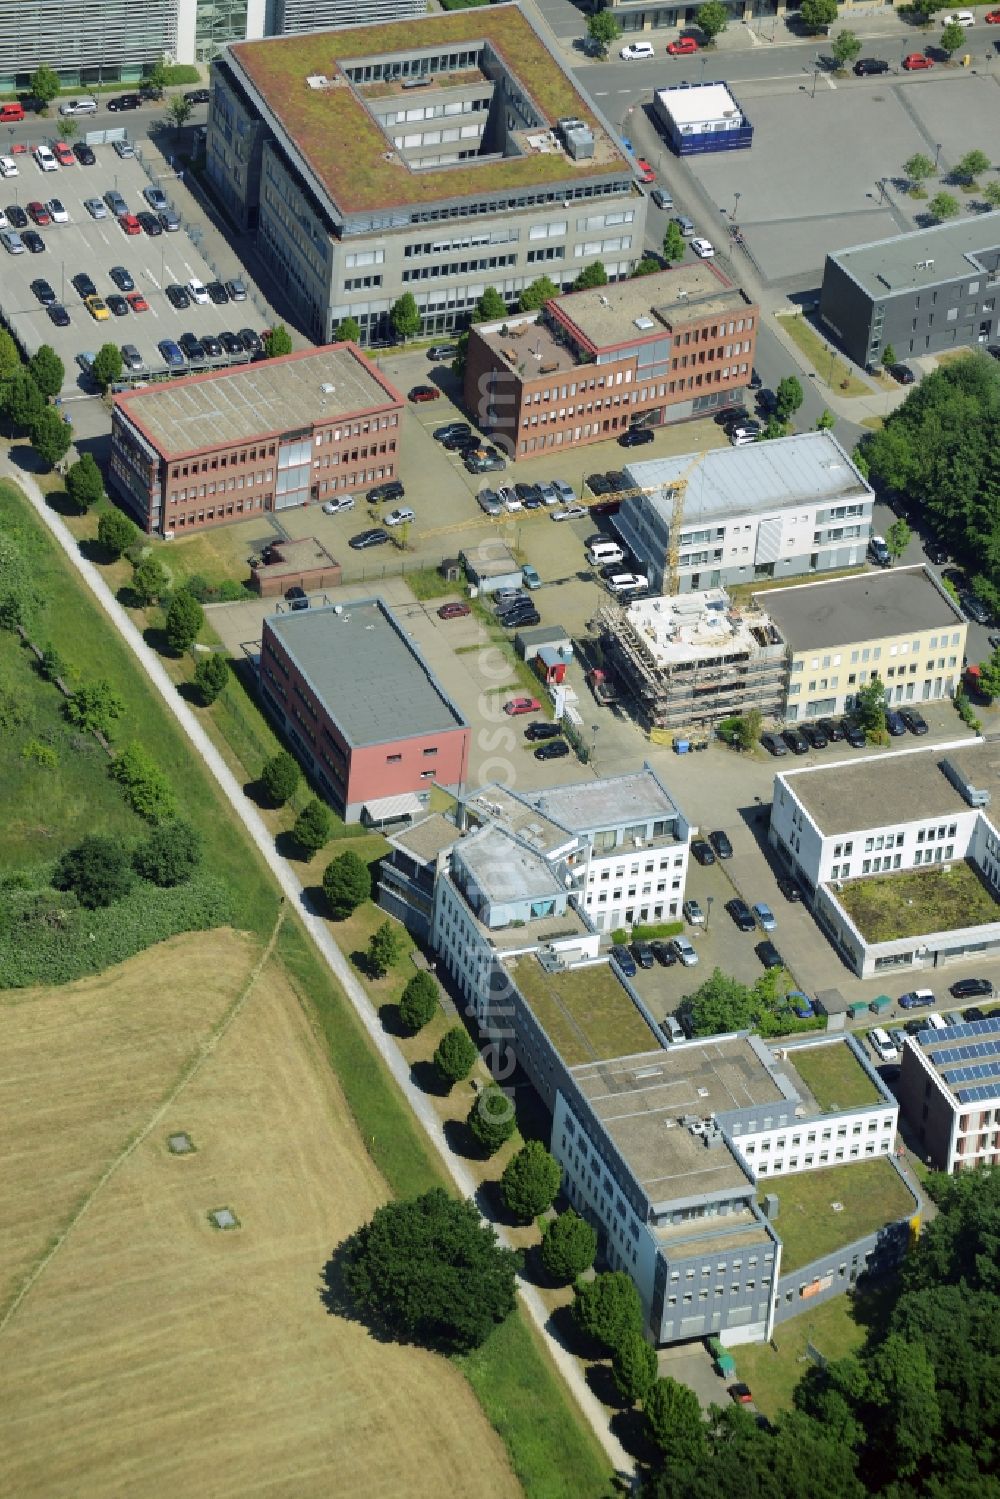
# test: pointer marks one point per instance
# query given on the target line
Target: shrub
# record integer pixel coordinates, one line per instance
(146, 788)
(210, 676)
(170, 855)
(455, 1056)
(347, 884)
(94, 708)
(491, 1121)
(419, 1002)
(280, 778)
(569, 1247)
(277, 341)
(98, 871)
(530, 1181)
(313, 826)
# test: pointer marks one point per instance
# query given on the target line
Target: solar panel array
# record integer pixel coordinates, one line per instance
(979, 1052)
(977, 1095)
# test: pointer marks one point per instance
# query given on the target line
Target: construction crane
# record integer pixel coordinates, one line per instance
(677, 490)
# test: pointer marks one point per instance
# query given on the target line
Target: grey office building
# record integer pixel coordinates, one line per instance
(439, 157)
(85, 41)
(923, 293)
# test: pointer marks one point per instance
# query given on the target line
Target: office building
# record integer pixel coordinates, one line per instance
(701, 117)
(661, 348)
(770, 510)
(438, 157)
(364, 713)
(218, 447)
(923, 292)
(949, 1089)
(291, 16)
(86, 41)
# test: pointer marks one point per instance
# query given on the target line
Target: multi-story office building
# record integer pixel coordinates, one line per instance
(662, 348)
(770, 510)
(85, 41)
(204, 27)
(910, 810)
(289, 16)
(214, 448)
(438, 157)
(923, 292)
(900, 626)
(364, 712)
(949, 1089)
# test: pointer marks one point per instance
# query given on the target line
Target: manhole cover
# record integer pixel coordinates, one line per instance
(179, 1144)
(224, 1218)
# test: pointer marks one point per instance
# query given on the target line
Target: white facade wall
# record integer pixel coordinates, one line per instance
(630, 886)
(809, 1144)
(461, 946)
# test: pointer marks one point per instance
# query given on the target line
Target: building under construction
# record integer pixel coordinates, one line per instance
(690, 660)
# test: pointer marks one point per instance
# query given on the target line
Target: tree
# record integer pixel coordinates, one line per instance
(719, 1005)
(530, 1181)
(348, 331)
(918, 168)
(22, 400)
(897, 538)
(277, 341)
(455, 1055)
(51, 665)
(116, 533)
(185, 618)
(170, 855)
(158, 77)
(146, 788)
(846, 47)
(773, 427)
(107, 365)
(47, 370)
(788, 397)
(429, 1271)
(405, 316)
(673, 242)
(491, 1120)
(95, 707)
(869, 706)
(537, 294)
(817, 15)
(97, 870)
(674, 1419)
(591, 275)
(51, 436)
(825, 420)
(989, 676)
(68, 129)
(603, 29)
(84, 484)
(178, 111)
(634, 1367)
(418, 1003)
(44, 86)
(713, 18)
(347, 884)
(10, 358)
(149, 579)
(312, 828)
(384, 948)
(210, 676)
(944, 205)
(972, 165)
(952, 38)
(490, 307)
(608, 1308)
(19, 598)
(280, 778)
(568, 1247)
(991, 192)
(888, 356)
(647, 267)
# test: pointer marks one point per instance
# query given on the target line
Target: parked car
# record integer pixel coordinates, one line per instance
(814, 735)
(869, 67)
(854, 734)
(636, 51)
(84, 284)
(442, 351)
(515, 706)
(454, 610)
(131, 358)
(636, 437)
(764, 917)
(121, 278)
(914, 720)
(977, 611)
(95, 208)
(624, 961)
(796, 741)
(58, 315)
(745, 433)
(971, 988)
(684, 951)
(721, 844)
(124, 149)
(916, 999)
(832, 728)
(972, 1014)
(693, 914)
(177, 296)
(97, 308)
(644, 170)
(684, 46)
(150, 224)
(193, 347)
(392, 489)
(337, 507)
(663, 952)
(450, 429)
(84, 154)
(661, 198)
(915, 62)
(774, 744)
(117, 305)
(237, 289)
(535, 733)
(33, 241)
(171, 354)
(170, 222)
(894, 723)
(789, 888)
(198, 292)
(556, 749)
(702, 851)
(12, 241)
(571, 512)
(703, 248)
(741, 914)
(487, 501)
(768, 955)
(251, 341)
(44, 292)
(373, 537)
(643, 954)
(155, 197)
(297, 597)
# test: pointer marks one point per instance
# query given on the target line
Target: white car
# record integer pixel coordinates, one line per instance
(636, 51)
(628, 583)
(399, 517)
(4, 220)
(703, 248)
(334, 507)
(57, 211)
(8, 167)
(684, 951)
(45, 159)
(693, 913)
(571, 512)
(959, 18)
(742, 437)
(883, 1045)
(198, 292)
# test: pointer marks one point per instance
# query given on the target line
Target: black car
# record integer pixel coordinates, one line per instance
(177, 296)
(197, 96)
(971, 988)
(755, 381)
(902, 374)
(597, 484)
(123, 102)
(250, 340)
(663, 952)
(84, 154)
(212, 346)
(535, 732)
(789, 888)
(636, 437)
(150, 92)
(774, 744)
(232, 345)
(16, 216)
(518, 621)
(703, 851)
(391, 490)
(375, 537)
(733, 416)
(619, 480)
(916, 1025)
(33, 241)
(117, 305)
(936, 553)
(121, 278)
(815, 735)
(768, 954)
(643, 954)
(150, 224)
(192, 346)
(43, 291)
(914, 720)
(84, 285)
(58, 314)
(972, 1014)
(867, 67)
(854, 734)
(741, 914)
(796, 741)
(459, 441)
(526, 492)
(218, 293)
(894, 723)
(556, 749)
(974, 607)
(720, 842)
(297, 598)
(832, 728)
(449, 429)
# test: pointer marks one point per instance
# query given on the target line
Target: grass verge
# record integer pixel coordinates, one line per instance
(828, 364)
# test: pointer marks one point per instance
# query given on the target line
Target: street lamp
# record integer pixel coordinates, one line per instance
(736, 204)
(708, 914)
(937, 155)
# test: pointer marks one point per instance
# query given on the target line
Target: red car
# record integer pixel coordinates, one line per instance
(741, 1393)
(424, 393)
(453, 611)
(646, 173)
(130, 223)
(993, 17)
(137, 302)
(519, 705)
(39, 214)
(683, 47)
(916, 61)
(63, 154)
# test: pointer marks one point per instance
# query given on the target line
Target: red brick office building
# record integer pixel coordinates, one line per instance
(208, 449)
(662, 348)
(364, 713)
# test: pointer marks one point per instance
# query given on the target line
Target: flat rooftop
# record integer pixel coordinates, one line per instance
(869, 606)
(370, 677)
(585, 1011)
(295, 556)
(612, 801)
(885, 790)
(426, 839)
(497, 804)
(698, 103)
(224, 407)
(371, 173)
(819, 1211)
(504, 870)
(809, 467)
(831, 1076)
(966, 1058)
(707, 1236)
(624, 311)
(698, 627)
(640, 1101)
(925, 258)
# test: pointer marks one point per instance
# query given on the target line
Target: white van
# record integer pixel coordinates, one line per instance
(78, 107)
(603, 552)
(883, 1045)
(935, 1022)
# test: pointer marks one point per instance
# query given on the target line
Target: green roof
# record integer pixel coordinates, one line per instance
(585, 1012)
(834, 1076)
(868, 1195)
(345, 146)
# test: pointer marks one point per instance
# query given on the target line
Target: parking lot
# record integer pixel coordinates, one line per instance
(93, 246)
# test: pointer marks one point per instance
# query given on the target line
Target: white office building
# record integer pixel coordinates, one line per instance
(950, 1090)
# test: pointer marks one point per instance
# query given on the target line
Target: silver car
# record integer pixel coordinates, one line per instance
(12, 241)
(95, 208)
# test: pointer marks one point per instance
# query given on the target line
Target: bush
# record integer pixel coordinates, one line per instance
(419, 1002)
(530, 1181)
(98, 871)
(95, 708)
(569, 1247)
(313, 826)
(608, 1308)
(455, 1056)
(185, 617)
(280, 778)
(347, 884)
(51, 665)
(116, 533)
(170, 855)
(210, 676)
(491, 1121)
(277, 341)
(146, 788)
(170, 74)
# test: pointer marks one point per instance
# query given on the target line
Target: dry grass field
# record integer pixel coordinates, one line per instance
(155, 1353)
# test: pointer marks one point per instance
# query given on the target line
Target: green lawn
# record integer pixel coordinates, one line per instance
(828, 364)
(585, 1011)
(919, 901)
(834, 1076)
(869, 1191)
(219, 555)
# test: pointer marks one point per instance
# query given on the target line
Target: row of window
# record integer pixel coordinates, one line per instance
(459, 267)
